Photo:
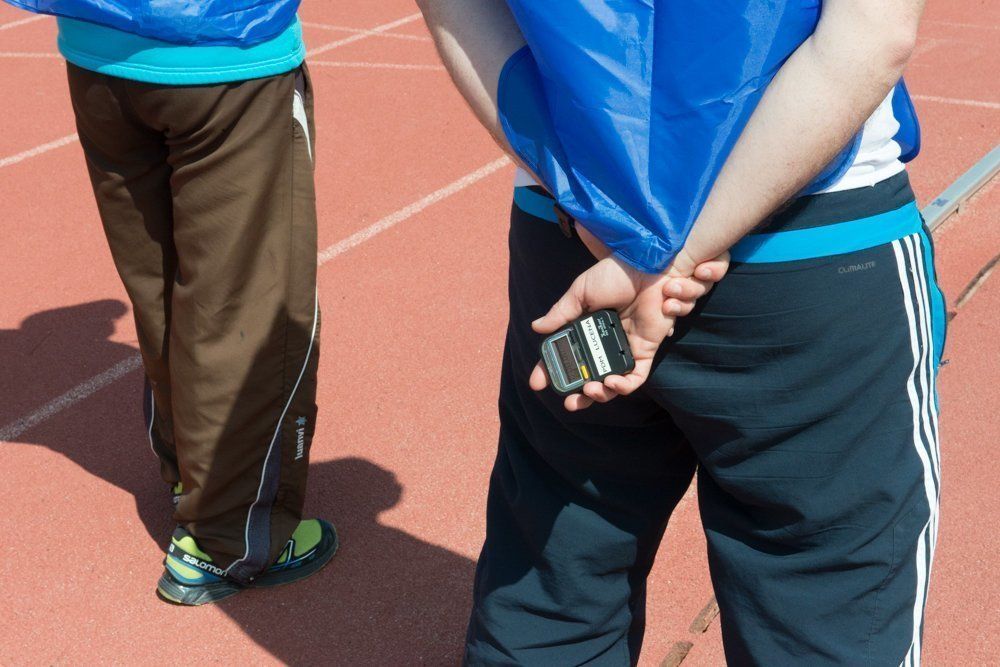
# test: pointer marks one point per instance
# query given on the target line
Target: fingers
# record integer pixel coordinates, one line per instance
(624, 385)
(598, 392)
(565, 310)
(577, 402)
(539, 379)
(713, 270)
(592, 391)
(681, 293)
(675, 308)
(686, 289)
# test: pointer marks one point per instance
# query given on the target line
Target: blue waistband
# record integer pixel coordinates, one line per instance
(822, 241)
(532, 203)
(826, 240)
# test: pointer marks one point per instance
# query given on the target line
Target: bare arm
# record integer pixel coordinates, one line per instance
(818, 100)
(475, 38)
(816, 103)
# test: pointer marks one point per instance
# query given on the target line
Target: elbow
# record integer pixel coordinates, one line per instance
(893, 34)
(897, 47)
(880, 36)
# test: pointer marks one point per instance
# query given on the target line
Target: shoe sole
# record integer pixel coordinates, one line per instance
(175, 592)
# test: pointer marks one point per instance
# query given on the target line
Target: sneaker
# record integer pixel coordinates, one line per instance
(190, 577)
(176, 491)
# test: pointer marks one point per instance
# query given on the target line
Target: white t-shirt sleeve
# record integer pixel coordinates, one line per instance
(523, 179)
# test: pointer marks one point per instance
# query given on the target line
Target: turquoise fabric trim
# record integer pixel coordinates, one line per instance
(835, 239)
(535, 204)
(127, 56)
(827, 240)
(939, 312)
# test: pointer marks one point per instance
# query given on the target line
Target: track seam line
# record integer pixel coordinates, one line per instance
(957, 101)
(20, 22)
(377, 30)
(71, 397)
(974, 285)
(928, 45)
(402, 214)
(956, 24)
(367, 31)
(28, 54)
(89, 387)
(38, 150)
(368, 65)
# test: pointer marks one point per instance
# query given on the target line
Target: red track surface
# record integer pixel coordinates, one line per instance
(402, 471)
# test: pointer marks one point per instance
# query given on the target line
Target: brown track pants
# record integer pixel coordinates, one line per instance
(207, 198)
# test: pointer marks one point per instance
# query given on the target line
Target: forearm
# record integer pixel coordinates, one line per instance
(818, 100)
(475, 39)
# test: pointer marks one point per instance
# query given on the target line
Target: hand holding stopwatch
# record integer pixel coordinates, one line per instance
(588, 350)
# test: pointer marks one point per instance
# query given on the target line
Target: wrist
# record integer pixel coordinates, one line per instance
(683, 264)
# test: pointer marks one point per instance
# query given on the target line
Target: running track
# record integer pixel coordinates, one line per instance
(413, 202)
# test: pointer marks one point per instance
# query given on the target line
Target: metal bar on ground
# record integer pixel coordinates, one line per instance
(968, 184)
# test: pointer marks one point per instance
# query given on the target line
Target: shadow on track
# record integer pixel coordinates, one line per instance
(388, 597)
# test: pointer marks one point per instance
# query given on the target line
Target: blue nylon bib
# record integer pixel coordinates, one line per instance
(218, 22)
(627, 109)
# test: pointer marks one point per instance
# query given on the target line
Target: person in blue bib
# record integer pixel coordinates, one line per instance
(196, 123)
(657, 141)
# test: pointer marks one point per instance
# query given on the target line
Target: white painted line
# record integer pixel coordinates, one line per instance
(30, 19)
(13, 430)
(377, 30)
(82, 391)
(956, 24)
(362, 65)
(28, 54)
(402, 214)
(926, 45)
(38, 150)
(366, 31)
(958, 101)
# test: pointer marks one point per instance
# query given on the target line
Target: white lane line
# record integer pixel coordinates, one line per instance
(11, 431)
(30, 19)
(926, 45)
(958, 101)
(82, 391)
(363, 65)
(366, 31)
(28, 54)
(377, 30)
(38, 150)
(402, 214)
(957, 24)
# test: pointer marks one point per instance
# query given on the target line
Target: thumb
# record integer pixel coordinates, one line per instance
(713, 270)
(569, 307)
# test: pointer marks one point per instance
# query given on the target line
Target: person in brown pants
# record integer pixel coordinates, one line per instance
(206, 195)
